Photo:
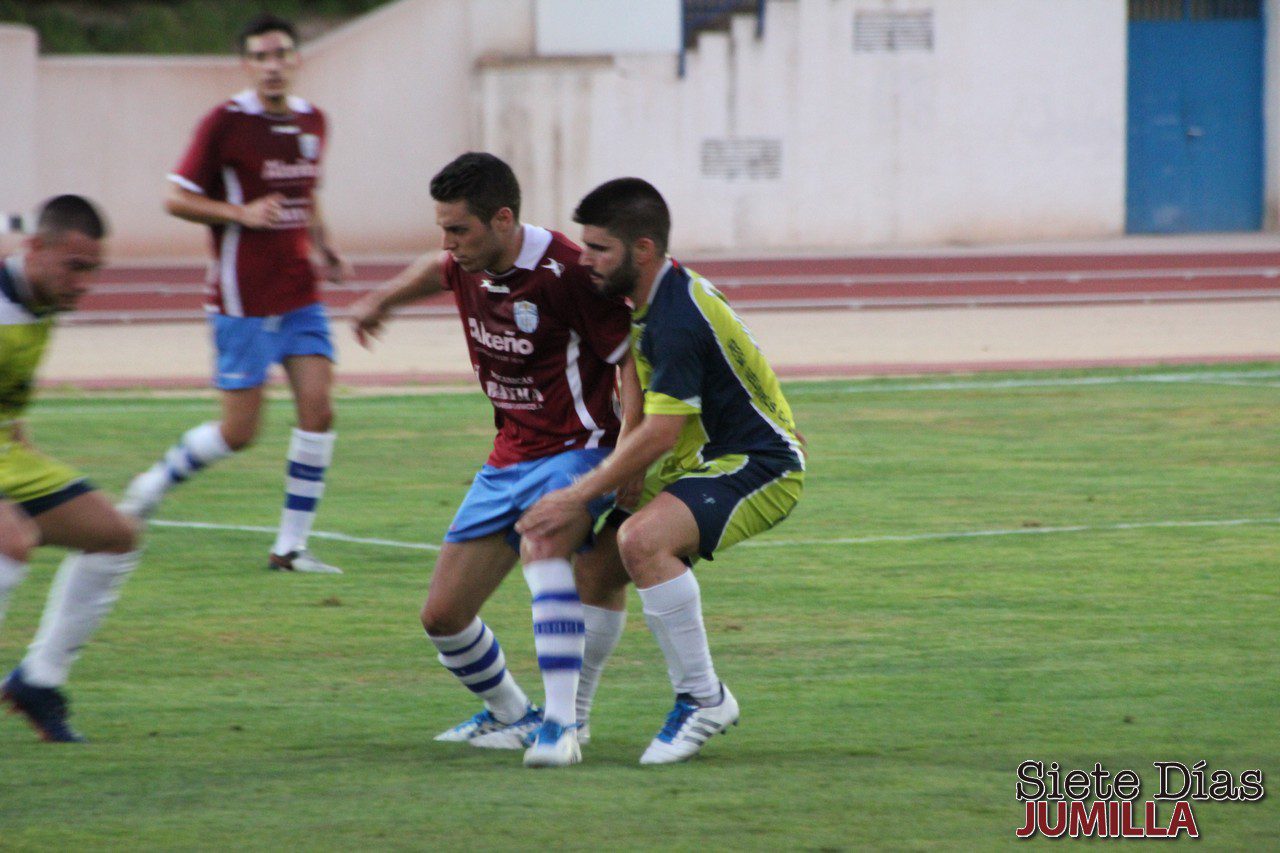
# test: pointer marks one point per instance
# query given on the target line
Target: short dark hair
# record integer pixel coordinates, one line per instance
(482, 180)
(64, 213)
(265, 23)
(628, 208)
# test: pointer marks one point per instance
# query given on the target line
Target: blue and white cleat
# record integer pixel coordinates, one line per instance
(553, 745)
(44, 707)
(494, 733)
(689, 726)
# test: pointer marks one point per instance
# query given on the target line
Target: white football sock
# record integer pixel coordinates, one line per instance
(199, 446)
(11, 574)
(309, 456)
(474, 656)
(83, 591)
(604, 629)
(558, 633)
(674, 612)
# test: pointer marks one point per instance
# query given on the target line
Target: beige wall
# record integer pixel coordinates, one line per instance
(1012, 127)
(398, 85)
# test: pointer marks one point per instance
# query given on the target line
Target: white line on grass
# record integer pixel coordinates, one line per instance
(318, 534)
(787, 543)
(999, 384)
(1017, 531)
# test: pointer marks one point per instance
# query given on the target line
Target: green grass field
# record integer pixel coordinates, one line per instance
(1071, 567)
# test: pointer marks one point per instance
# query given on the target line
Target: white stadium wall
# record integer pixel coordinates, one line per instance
(991, 120)
(1012, 126)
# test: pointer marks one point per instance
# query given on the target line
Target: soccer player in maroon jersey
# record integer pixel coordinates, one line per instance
(545, 345)
(251, 175)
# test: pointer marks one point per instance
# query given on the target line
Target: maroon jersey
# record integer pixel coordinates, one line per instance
(543, 343)
(241, 153)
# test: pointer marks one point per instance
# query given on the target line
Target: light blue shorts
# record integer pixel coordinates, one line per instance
(499, 496)
(248, 346)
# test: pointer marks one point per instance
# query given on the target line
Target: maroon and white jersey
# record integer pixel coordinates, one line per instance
(543, 343)
(241, 153)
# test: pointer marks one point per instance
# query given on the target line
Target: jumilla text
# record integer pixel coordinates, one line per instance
(1101, 804)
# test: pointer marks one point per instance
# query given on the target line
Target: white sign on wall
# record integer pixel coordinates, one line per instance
(596, 27)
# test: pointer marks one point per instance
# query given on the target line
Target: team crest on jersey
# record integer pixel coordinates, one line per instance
(526, 317)
(309, 145)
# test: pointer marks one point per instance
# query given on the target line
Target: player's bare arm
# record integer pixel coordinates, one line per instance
(262, 212)
(420, 279)
(655, 435)
(336, 269)
(631, 396)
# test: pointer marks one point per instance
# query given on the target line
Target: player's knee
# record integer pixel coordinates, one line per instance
(240, 437)
(123, 536)
(539, 548)
(19, 536)
(316, 416)
(322, 421)
(636, 544)
(440, 622)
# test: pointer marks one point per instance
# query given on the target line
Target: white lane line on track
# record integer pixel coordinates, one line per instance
(823, 279)
(51, 410)
(788, 543)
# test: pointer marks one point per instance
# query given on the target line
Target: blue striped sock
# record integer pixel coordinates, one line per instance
(476, 659)
(559, 634)
(309, 456)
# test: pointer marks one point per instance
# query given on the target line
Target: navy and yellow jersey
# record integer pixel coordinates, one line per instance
(23, 336)
(27, 477)
(695, 357)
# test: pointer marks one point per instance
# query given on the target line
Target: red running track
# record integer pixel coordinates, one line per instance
(162, 293)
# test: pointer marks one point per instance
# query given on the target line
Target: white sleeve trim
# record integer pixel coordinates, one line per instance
(616, 355)
(186, 184)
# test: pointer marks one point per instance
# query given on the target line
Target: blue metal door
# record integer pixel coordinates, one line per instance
(1195, 152)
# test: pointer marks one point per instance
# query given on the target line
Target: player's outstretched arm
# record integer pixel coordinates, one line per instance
(641, 448)
(262, 212)
(420, 279)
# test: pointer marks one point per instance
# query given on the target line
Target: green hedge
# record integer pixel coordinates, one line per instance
(164, 26)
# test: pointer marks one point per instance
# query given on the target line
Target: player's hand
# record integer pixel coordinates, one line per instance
(262, 212)
(367, 318)
(552, 513)
(336, 268)
(628, 496)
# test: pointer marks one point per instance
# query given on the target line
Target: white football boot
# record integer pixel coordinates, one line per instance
(553, 745)
(301, 561)
(488, 732)
(689, 726)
